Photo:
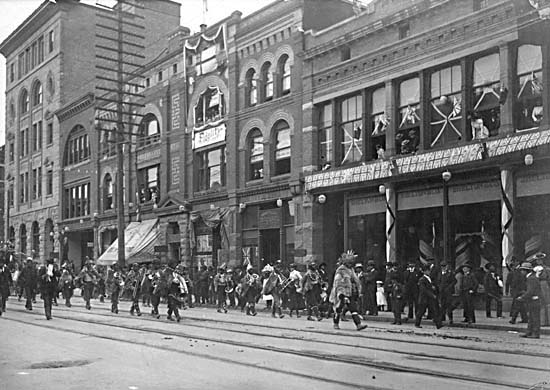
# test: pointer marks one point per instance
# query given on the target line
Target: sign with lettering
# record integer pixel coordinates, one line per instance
(209, 136)
(440, 159)
(176, 112)
(366, 206)
(474, 193)
(533, 185)
(420, 199)
(149, 155)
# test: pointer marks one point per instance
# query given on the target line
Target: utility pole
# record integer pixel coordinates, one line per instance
(117, 50)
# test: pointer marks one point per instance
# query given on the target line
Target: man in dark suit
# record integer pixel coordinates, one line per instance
(493, 290)
(446, 285)
(411, 277)
(49, 279)
(28, 280)
(467, 292)
(5, 283)
(427, 298)
(515, 286)
(532, 298)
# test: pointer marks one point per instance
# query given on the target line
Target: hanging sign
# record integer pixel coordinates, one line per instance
(209, 136)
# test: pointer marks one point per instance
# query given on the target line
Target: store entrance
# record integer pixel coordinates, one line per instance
(270, 245)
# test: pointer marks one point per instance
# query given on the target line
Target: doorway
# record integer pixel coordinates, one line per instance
(270, 245)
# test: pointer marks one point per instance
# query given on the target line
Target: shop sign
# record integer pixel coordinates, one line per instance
(427, 161)
(420, 199)
(366, 206)
(474, 193)
(146, 156)
(531, 185)
(209, 136)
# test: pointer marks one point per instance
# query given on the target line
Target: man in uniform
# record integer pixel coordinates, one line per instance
(345, 291)
(493, 290)
(532, 298)
(411, 277)
(66, 285)
(88, 279)
(133, 283)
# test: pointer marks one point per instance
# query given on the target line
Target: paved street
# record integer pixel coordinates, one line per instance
(95, 349)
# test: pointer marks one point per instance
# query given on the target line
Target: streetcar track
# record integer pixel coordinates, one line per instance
(314, 355)
(514, 352)
(367, 348)
(187, 352)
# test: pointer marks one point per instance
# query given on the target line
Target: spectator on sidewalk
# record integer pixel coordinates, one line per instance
(427, 298)
(468, 290)
(370, 276)
(410, 279)
(515, 287)
(493, 290)
(5, 283)
(532, 298)
(543, 274)
(446, 285)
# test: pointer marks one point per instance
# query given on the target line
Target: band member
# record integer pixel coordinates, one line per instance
(311, 288)
(177, 289)
(88, 279)
(157, 287)
(251, 286)
(346, 290)
(116, 286)
(221, 282)
(294, 290)
(5, 283)
(446, 284)
(49, 280)
(28, 280)
(532, 298)
(274, 287)
(427, 298)
(133, 283)
(66, 285)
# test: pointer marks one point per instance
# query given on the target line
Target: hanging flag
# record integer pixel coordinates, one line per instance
(433, 234)
(426, 252)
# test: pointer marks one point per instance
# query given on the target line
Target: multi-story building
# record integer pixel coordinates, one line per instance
(51, 69)
(429, 128)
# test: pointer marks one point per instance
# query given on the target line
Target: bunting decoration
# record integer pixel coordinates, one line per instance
(532, 246)
(507, 214)
(447, 120)
(390, 223)
(426, 252)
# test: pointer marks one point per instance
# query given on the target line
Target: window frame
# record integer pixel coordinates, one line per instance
(204, 168)
(282, 165)
(255, 155)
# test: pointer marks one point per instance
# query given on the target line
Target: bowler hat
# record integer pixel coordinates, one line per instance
(358, 265)
(371, 262)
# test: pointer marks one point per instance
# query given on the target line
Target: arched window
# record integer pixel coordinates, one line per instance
(11, 236)
(108, 193)
(23, 239)
(282, 148)
(37, 94)
(267, 82)
(35, 238)
(149, 130)
(251, 88)
(24, 102)
(210, 107)
(77, 148)
(284, 71)
(255, 155)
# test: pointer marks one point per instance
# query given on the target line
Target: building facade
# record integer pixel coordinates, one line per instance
(429, 134)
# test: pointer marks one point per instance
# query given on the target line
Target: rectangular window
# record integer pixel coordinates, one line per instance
(39, 183)
(407, 136)
(34, 137)
(26, 185)
(40, 50)
(11, 152)
(325, 136)
(379, 123)
(34, 54)
(39, 135)
(77, 201)
(22, 188)
(175, 68)
(10, 195)
(211, 169)
(147, 82)
(21, 65)
(404, 31)
(49, 133)
(486, 100)
(446, 106)
(51, 39)
(149, 184)
(480, 4)
(49, 182)
(12, 73)
(160, 76)
(351, 129)
(27, 59)
(34, 181)
(528, 107)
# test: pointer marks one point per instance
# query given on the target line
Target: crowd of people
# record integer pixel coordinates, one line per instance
(421, 289)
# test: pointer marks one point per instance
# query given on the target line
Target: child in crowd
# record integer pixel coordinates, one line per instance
(381, 301)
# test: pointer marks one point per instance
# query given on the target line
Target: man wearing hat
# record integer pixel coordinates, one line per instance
(493, 290)
(133, 283)
(427, 298)
(446, 287)
(543, 274)
(221, 281)
(295, 298)
(368, 284)
(251, 286)
(515, 286)
(88, 279)
(467, 293)
(532, 298)
(5, 283)
(49, 279)
(28, 280)
(311, 288)
(411, 276)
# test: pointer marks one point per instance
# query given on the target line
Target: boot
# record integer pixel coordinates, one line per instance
(281, 315)
(357, 322)
(298, 314)
(248, 311)
(336, 321)
(290, 314)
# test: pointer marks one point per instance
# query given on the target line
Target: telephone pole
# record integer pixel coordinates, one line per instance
(117, 52)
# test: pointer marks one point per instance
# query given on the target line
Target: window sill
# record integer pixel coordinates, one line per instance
(254, 182)
(281, 177)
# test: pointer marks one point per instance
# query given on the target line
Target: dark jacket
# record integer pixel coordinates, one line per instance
(427, 291)
(515, 283)
(49, 284)
(410, 281)
(533, 291)
(447, 283)
(490, 282)
(5, 280)
(469, 284)
(29, 276)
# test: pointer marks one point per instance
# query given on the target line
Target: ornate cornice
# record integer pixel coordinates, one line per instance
(75, 107)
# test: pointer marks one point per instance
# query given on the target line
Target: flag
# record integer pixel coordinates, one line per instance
(426, 252)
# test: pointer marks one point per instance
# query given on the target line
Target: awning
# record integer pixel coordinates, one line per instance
(140, 238)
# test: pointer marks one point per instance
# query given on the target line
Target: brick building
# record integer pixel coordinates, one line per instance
(430, 132)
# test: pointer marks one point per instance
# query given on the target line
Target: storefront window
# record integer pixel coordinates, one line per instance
(487, 95)
(529, 78)
(446, 106)
(351, 129)
(407, 136)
